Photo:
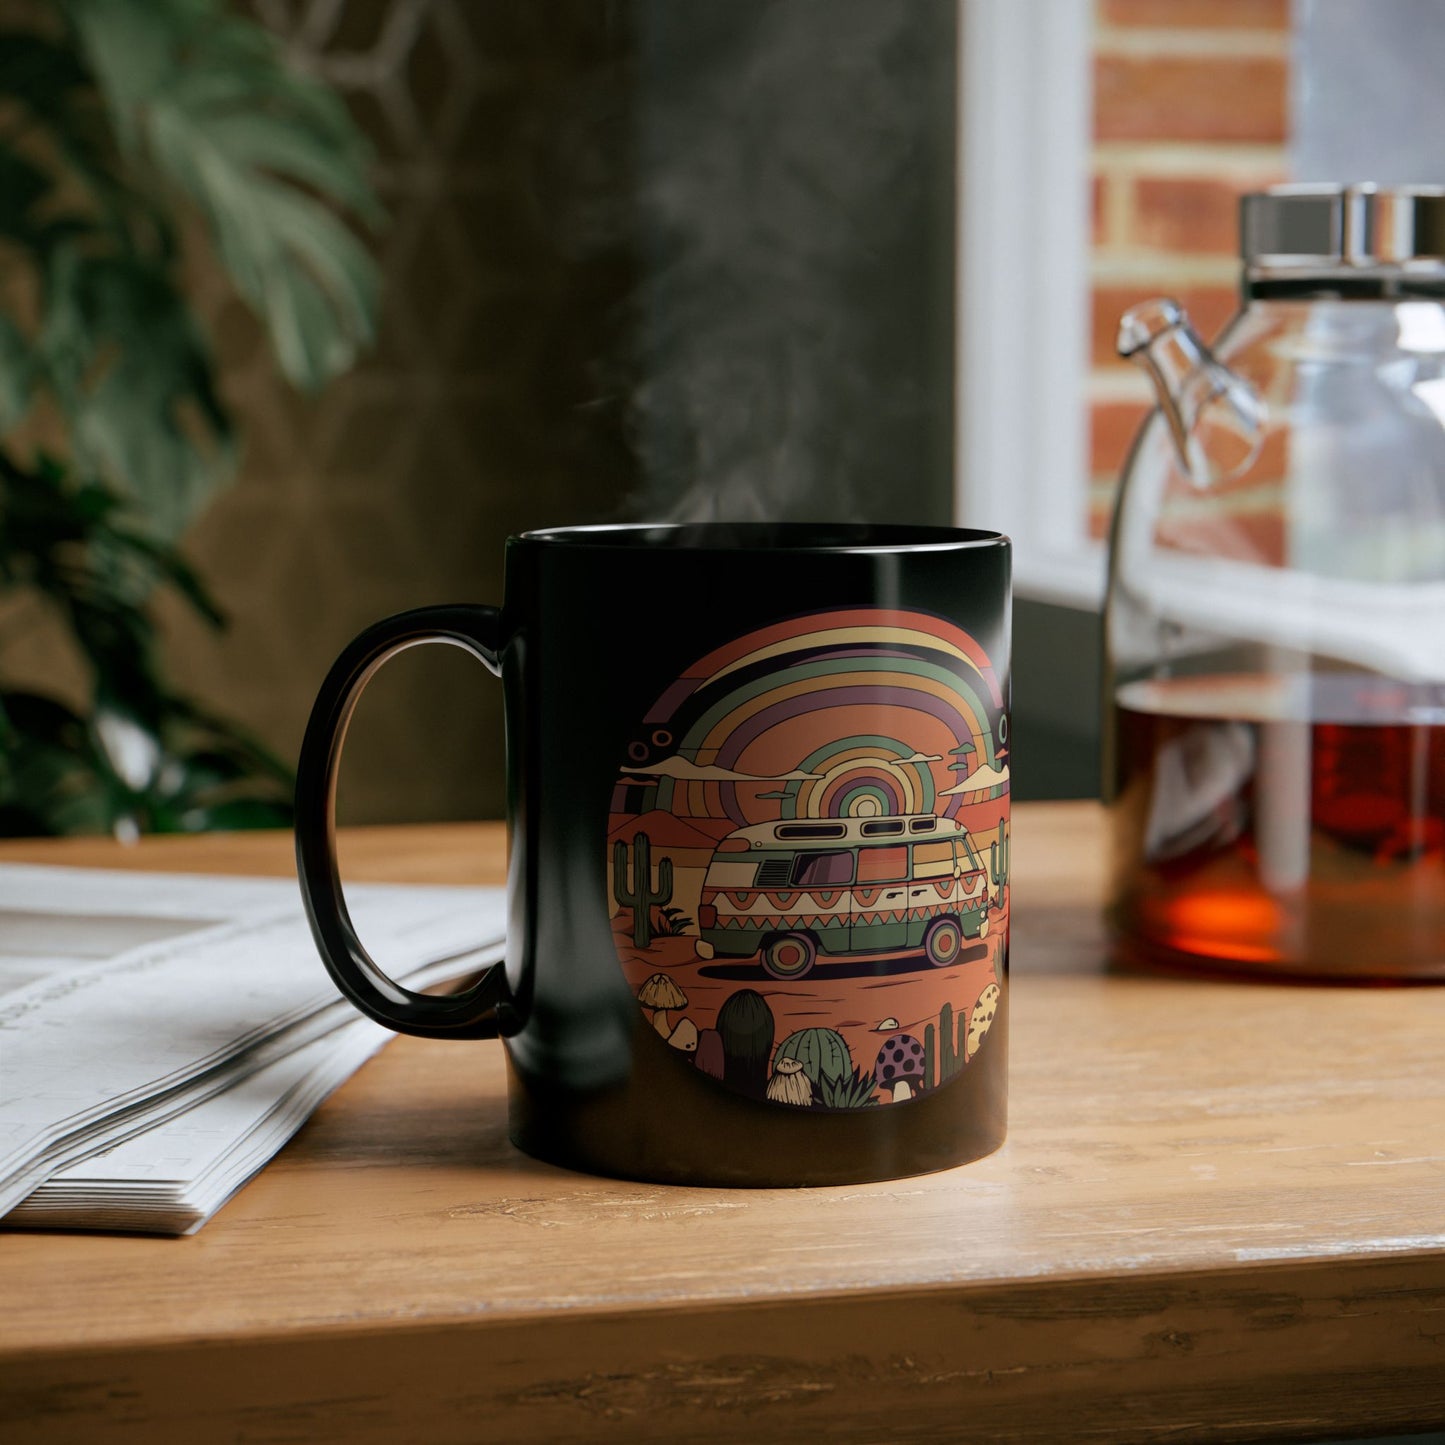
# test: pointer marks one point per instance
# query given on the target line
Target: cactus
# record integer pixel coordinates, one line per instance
(822, 1052)
(746, 1024)
(641, 896)
(945, 1051)
(998, 857)
(950, 1055)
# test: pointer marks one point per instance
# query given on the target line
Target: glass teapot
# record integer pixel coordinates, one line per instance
(1275, 624)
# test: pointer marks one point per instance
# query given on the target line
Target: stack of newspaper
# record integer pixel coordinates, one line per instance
(162, 1036)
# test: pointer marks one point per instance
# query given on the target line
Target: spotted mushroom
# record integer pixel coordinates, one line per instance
(790, 1085)
(981, 1019)
(659, 994)
(899, 1069)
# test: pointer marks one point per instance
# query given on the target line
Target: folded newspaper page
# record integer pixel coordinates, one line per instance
(161, 1036)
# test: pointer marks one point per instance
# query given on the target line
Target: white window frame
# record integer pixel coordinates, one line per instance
(1021, 444)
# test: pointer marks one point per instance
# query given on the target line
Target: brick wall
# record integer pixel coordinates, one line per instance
(1190, 110)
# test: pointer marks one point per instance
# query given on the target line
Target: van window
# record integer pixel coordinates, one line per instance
(726, 874)
(882, 865)
(923, 825)
(810, 830)
(823, 870)
(933, 860)
(872, 830)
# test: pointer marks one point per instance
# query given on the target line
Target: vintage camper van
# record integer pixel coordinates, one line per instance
(790, 891)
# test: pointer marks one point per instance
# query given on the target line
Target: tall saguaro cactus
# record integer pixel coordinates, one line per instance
(950, 1047)
(945, 1057)
(998, 857)
(641, 897)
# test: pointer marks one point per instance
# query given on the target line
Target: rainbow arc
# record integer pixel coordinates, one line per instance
(875, 707)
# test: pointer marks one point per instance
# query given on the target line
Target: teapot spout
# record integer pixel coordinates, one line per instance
(1216, 419)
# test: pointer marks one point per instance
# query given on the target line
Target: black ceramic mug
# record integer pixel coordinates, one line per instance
(758, 801)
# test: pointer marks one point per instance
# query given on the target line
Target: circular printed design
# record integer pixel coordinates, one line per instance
(808, 859)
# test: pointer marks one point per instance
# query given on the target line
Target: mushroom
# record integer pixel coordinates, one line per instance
(980, 1019)
(899, 1069)
(684, 1036)
(659, 994)
(710, 1058)
(790, 1085)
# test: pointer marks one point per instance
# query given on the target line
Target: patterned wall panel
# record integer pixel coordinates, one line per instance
(478, 415)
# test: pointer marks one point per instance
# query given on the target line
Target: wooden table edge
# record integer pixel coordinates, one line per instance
(1173, 1347)
(1187, 1280)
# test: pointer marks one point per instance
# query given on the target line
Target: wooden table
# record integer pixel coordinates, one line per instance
(1220, 1213)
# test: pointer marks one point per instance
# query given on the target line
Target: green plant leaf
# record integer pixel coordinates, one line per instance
(49, 782)
(208, 100)
(112, 117)
(133, 375)
(235, 814)
(54, 96)
(72, 546)
(168, 565)
(22, 187)
(61, 773)
(244, 749)
(38, 72)
(17, 370)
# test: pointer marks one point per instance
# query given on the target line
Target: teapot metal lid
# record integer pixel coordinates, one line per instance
(1330, 229)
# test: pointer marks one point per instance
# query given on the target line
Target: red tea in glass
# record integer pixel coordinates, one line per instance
(1292, 825)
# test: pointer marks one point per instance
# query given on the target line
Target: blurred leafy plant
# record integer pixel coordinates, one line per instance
(122, 124)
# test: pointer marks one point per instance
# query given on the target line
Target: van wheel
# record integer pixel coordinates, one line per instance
(942, 942)
(789, 955)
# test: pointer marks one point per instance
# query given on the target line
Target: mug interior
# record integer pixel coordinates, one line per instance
(767, 537)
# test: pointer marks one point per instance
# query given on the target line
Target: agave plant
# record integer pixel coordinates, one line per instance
(847, 1091)
(124, 126)
(671, 923)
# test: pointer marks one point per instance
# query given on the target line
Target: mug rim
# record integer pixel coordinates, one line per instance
(767, 537)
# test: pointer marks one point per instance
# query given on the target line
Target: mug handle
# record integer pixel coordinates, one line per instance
(472, 1014)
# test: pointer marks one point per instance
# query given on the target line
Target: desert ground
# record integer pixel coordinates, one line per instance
(853, 995)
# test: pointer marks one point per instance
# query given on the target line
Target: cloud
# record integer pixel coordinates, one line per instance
(686, 770)
(689, 771)
(978, 780)
(880, 761)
